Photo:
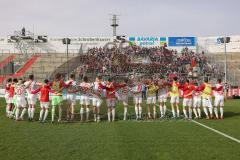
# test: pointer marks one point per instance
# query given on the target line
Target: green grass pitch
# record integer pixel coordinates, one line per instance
(121, 140)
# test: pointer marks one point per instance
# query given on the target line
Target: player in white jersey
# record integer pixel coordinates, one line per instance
(31, 98)
(137, 90)
(219, 98)
(84, 98)
(162, 97)
(197, 103)
(124, 98)
(71, 97)
(20, 99)
(96, 100)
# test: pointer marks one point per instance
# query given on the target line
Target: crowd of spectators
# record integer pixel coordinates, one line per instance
(154, 60)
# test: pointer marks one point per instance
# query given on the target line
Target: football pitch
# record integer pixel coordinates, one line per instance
(130, 140)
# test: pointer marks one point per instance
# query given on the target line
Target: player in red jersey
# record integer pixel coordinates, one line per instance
(44, 99)
(9, 93)
(196, 102)
(187, 89)
(111, 88)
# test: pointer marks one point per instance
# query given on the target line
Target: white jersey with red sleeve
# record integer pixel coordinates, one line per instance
(20, 90)
(86, 86)
(219, 90)
(30, 86)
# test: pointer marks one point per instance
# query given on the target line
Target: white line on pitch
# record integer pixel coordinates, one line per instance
(212, 129)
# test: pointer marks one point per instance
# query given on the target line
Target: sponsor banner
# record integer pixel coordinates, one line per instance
(181, 41)
(150, 41)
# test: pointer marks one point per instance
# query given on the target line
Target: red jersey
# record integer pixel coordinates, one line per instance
(44, 93)
(110, 89)
(188, 90)
(9, 90)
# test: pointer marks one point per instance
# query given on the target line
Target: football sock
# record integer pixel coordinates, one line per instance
(195, 112)
(87, 113)
(81, 113)
(178, 113)
(46, 114)
(199, 112)
(221, 111)
(17, 113)
(41, 114)
(173, 112)
(216, 112)
(205, 111)
(125, 113)
(140, 111)
(53, 112)
(185, 112)
(136, 111)
(23, 112)
(113, 114)
(190, 112)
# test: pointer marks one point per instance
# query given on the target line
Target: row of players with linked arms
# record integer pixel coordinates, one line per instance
(193, 97)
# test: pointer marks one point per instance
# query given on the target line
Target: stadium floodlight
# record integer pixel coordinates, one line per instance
(225, 40)
(67, 41)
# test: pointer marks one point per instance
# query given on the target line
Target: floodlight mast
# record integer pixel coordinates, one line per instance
(225, 51)
(114, 24)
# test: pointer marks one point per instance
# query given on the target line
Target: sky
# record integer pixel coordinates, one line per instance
(136, 17)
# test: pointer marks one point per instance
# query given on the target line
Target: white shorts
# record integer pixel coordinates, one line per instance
(151, 100)
(197, 101)
(96, 102)
(44, 105)
(124, 99)
(219, 101)
(8, 99)
(84, 100)
(187, 102)
(138, 99)
(111, 102)
(174, 99)
(162, 98)
(20, 102)
(32, 99)
(207, 102)
(71, 98)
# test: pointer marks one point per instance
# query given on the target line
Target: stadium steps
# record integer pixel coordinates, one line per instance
(20, 72)
(46, 65)
(233, 64)
(7, 60)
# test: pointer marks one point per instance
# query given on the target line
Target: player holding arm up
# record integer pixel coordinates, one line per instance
(20, 99)
(219, 98)
(44, 99)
